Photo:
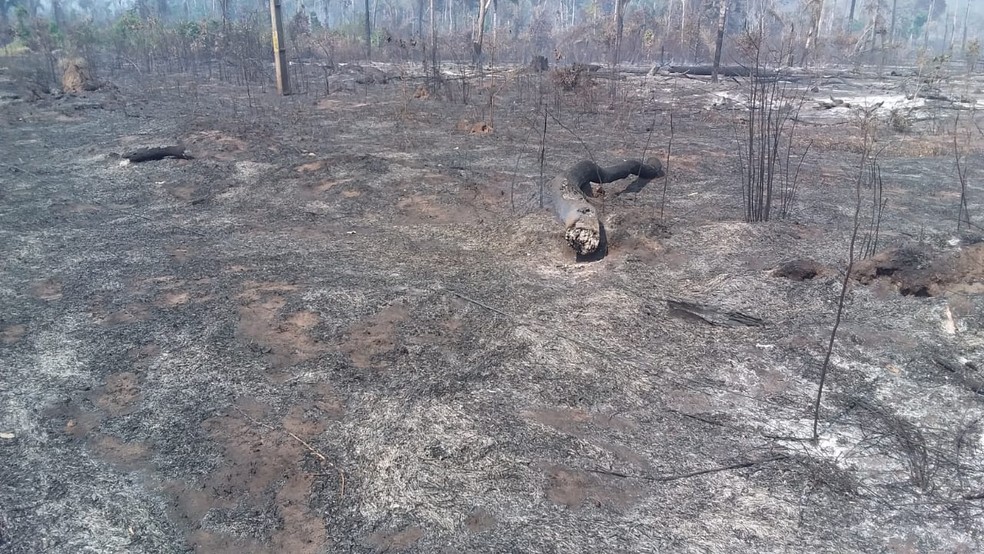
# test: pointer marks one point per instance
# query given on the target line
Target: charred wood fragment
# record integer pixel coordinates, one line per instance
(569, 195)
(711, 315)
(157, 153)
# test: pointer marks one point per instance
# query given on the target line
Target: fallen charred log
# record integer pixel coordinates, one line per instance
(157, 153)
(569, 195)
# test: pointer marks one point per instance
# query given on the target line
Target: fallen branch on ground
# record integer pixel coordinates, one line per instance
(157, 153)
(707, 70)
(679, 476)
(569, 195)
(713, 316)
(311, 449)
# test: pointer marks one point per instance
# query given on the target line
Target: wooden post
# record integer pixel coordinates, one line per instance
(279, 51)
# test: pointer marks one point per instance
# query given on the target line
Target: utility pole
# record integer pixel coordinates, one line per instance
(279, 51)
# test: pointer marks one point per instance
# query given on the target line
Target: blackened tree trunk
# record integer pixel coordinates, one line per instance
(719, 42)
(619, 27)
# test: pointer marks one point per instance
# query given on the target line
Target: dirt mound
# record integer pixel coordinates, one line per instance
(77, 76)
(917, 271)
(477, 128)
(800, 269)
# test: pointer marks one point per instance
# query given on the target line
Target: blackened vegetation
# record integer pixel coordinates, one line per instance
(539, 64)
(574, 76)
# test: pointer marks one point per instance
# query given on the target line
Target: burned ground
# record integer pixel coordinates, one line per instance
(347, 326)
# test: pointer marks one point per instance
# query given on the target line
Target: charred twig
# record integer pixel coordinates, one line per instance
(543, 151)
(963, 215)
(612, 473)
(680, 476)
(787, 438)
(480, 304)
(711, 315)
(311, 449)
(697, 417)
(666, 182)
(740, 465)
(866, 151)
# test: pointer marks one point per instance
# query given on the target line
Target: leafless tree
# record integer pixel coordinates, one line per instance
(619, 28)
(722, 20)
(368, 34)
(483, 10)
(815, 10)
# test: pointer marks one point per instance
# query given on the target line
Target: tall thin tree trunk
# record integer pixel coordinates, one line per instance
(816, 12)
(483, 10)
(722, 19)
(963, 42)
(929, 18)
(946, 31)
(875, 25)
(619, 27)
(683, 24)
(420, 18)
(891, 31)
(434, 67)
(850, 15)
(699, 10)
(368, 34)
(953, 33)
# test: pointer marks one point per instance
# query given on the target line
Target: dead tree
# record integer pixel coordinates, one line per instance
(569, 195)
(156, 153)
(719, 42)
(891, 31)
(483, 10)
(368, 33)
(619, 29)
(815, 9)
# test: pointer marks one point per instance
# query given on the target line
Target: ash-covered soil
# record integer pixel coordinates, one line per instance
(347, 326)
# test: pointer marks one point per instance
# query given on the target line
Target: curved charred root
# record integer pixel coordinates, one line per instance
(569, 194)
